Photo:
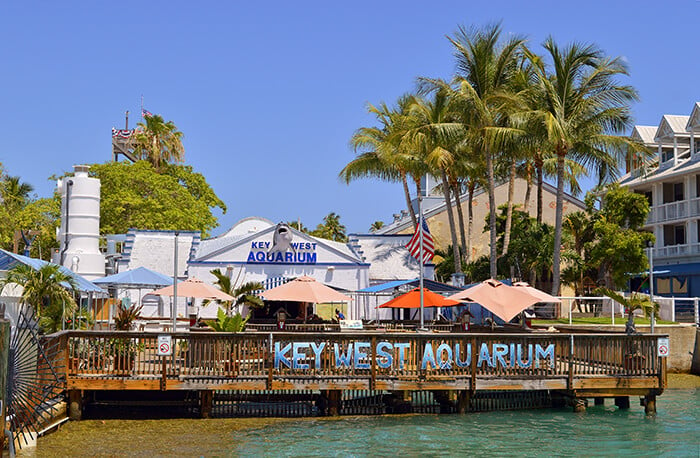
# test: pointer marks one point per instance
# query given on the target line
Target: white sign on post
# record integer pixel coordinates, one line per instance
(165, 345)
(662, 347)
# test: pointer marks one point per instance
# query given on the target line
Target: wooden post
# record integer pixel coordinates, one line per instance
(650, 405)
(332, 399)
(622, 402)
(164, 379)
(4, 361)
(75, 406)
(463, 401)
(206, 398)
(579, 404)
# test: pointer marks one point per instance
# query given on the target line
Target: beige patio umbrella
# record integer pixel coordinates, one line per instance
(304, 289)
(194, 287)
(500, 299)
(544, 297)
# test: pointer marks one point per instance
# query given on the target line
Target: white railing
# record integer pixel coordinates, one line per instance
(695, 206)
(671, 251)
(670, 211)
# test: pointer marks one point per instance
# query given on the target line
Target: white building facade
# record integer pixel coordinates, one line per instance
(671, 183)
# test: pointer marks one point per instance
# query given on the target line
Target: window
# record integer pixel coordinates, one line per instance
(674, 235)
(666, 155)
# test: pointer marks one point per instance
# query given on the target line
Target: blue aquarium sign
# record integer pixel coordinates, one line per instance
(357, 355)
(282, 249)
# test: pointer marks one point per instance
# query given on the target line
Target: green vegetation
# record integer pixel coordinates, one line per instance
(157, 142)
(600, 320)
(228, 323)
(509, 112)
(139, 196)
(243, 294)
(48, 290)
(22, 211)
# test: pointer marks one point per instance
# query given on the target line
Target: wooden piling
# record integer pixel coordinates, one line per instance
(463, 401)
(622, 402)
(332, 401)
(650, 405)
(75, 406)
(206, 400)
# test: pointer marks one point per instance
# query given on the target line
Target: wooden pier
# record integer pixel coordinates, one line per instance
(453, 366)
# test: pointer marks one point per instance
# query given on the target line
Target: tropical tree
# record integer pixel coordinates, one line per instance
(376, 226)
(157, 141)
(384, 153)
(435, 133)
(331, 229)
(243, 294)
(138, 196)
(487, 69)
(583, 111)
(298, 225)
(15, 194)
(49, 290)
(634, 302)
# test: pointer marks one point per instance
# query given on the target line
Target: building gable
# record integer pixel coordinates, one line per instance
(260, 248)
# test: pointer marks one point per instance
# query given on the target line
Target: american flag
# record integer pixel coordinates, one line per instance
(145, 113)
(428, 245)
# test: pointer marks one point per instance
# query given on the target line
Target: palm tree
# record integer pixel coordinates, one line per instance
(436, 134)
(636, 301)
(244, 294)
(487, 71)
(331, 229)
(158, 141)
(47, 289)
(582, 109)
(376, 226)
(15, 194)
(384, 153)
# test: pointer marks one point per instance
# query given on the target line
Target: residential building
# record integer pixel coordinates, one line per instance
(671, 182)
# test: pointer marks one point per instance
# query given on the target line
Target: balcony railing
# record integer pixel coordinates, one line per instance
(688, 249)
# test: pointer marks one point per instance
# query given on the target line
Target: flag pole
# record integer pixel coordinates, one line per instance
(420, 261)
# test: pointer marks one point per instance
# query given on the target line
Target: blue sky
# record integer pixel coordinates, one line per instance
(268, 94)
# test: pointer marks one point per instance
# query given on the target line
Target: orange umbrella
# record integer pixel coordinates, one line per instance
(193, 287)
(411, 300)
(500, 299)
(544, 297)
(304, 289)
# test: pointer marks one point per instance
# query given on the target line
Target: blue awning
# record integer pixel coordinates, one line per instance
(9, 260)
(432, 285)
(140, 277)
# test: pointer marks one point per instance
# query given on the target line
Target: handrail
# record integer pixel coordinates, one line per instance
(374, 354)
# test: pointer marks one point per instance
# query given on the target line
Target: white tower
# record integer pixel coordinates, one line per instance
(79, 234)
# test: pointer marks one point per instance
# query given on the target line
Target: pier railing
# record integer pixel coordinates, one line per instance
(374, 360)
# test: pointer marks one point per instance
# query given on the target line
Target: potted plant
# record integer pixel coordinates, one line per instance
(229, 323)
(632, 359)
(124, 349)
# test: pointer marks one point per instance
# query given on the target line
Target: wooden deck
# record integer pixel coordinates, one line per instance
(581, 365)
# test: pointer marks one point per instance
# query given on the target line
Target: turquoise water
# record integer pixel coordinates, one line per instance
(600, 431)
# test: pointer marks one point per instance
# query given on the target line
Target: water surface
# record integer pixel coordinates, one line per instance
(600, 431)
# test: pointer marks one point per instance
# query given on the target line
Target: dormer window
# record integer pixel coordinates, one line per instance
(666, 154)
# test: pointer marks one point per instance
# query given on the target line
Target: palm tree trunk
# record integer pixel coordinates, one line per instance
(556, 258)
(492, 215)
(460, 220)
(528, 190)
(470, 222)
(540, 179)
(407, 194)
(451, 219)
(509, 212)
